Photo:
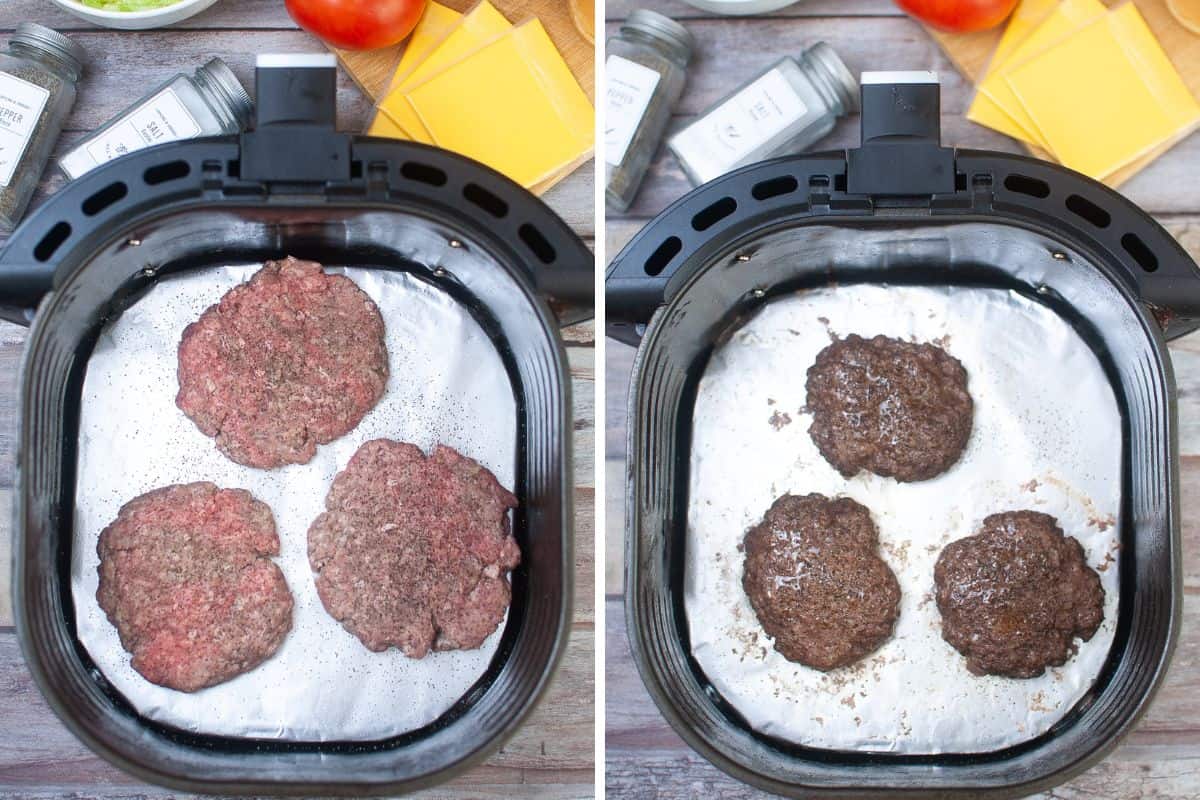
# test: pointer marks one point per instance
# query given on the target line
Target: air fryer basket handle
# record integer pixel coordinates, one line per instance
(295, 156)
(902, 173)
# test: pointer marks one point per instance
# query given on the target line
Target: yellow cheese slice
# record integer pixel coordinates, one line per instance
(1027, 16)
(1105, 96)
(383, 125)
(513, 105)
(436, 23)
(480, 25)
(1066, 18)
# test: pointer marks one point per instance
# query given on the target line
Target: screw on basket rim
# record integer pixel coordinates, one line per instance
(51, 42)
(837, 76)
(216, 76)
(661, 27)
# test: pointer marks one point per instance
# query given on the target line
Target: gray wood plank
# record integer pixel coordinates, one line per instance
(679, 10)
(552, 752)
(1161, 188)
(730, 50)
(644, 757)
(258, 14)
(226, 14)
(125, 65)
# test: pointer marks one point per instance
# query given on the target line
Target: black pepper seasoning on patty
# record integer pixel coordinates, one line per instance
(187, 580)
(414, 551)
(894, 408)
(291, 359)
(1014, 596)
(817, 584)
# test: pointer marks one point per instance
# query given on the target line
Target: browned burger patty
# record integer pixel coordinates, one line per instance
(1014, 596)
(815, 579)
(288, 360)
(894, 408)
(414, 550)
(186, 579)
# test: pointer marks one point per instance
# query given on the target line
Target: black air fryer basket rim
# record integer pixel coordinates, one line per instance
(649, 281)
(300, 163)
(907, 177)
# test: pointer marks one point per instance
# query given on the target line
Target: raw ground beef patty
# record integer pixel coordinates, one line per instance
(186, 579)
(817, 584)
(413, 550)
(1014, 596)
(288, 360)
(894, 408)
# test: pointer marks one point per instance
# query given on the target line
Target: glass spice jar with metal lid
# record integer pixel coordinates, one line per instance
(645, 70)
(783, 110)
(210, 102)
(38, 74)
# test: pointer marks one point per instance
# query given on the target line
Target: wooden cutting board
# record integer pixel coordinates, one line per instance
(971, 53)
(570, 28)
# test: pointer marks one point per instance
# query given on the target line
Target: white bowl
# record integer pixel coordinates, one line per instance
(136, 20)
(740, 7)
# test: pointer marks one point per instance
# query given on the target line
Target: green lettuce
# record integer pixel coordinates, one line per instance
(128, 5)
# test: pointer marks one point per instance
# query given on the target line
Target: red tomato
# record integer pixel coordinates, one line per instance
(959, 16)
(357, 24)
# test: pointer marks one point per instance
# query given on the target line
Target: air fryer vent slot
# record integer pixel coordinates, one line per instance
(775, 187)
(707, 217)
(662, 255)
(170, 171)
(1082, 207)
(1142, 254)
(486, 200)
(423, 173)
(1023, 184)
(104, 198)
(51, 241)
(536, 242)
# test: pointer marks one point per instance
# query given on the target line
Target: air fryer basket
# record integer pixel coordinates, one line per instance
(293, 186)
(901, 209)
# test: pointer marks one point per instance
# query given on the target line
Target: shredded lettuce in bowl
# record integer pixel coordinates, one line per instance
(127, 5)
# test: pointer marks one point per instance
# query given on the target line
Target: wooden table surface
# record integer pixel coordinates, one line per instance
(644, 757)
(552, 755)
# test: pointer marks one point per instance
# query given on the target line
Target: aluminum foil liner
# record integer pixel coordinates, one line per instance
(447, 385)
(1047, 437)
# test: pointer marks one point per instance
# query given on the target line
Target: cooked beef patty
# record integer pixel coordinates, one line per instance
(288, 360)
(186, 579)
(815, 579)
(894, 408)
(414, 550)
(1014, 596)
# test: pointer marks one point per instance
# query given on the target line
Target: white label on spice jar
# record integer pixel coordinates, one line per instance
(718, 141)
(21, 104)
(629, 88)
(162, 118)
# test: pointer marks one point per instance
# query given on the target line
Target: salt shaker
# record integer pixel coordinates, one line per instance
(644, 72)
(208, 103)
(783, 110)
(38, 73)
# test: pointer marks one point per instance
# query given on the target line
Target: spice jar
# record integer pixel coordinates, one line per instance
(644, 75)
(208, 103)
(782, 110)
(38, 73)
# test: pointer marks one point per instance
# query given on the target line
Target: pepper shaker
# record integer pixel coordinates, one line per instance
(644, 72)
(208, 103)
(38, 74)
(783, 110)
